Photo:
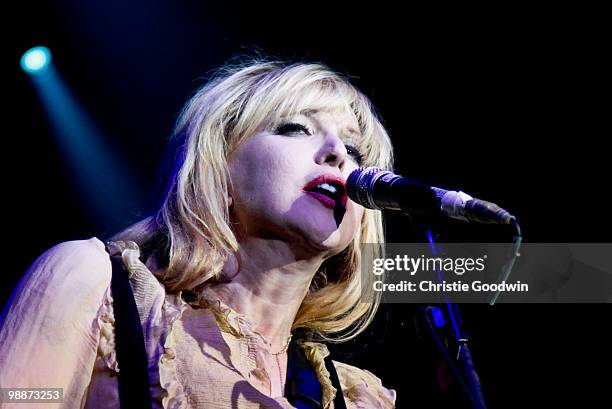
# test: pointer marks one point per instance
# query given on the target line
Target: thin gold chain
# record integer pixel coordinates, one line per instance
(284, 348)
(278, 365)
(280, 374)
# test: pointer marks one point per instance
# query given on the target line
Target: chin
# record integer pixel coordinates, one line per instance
(321, 232)
(336, 243)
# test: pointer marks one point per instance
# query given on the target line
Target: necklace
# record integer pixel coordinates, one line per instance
(283, 349)
(278, 364)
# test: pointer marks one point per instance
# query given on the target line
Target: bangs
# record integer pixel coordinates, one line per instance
(315, 88)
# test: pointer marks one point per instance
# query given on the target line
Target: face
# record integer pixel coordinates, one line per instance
(286, 182)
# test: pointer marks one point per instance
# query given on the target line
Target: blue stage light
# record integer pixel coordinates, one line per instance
(438, 317)
(36, 60)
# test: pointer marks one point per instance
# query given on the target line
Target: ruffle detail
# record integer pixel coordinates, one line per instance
(130, 254)
(174, 398)
(363, 389)
(169, 390)
(105, 323)
(240, 326)
(229, 320)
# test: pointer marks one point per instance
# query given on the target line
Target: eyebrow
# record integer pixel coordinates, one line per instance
(309, 113)
(352, 131)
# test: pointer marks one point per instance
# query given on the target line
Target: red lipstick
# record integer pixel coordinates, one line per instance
(327, 197)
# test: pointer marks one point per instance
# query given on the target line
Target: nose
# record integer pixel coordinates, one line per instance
(332, 151)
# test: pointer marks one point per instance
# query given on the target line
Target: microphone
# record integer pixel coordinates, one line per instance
(379, 189)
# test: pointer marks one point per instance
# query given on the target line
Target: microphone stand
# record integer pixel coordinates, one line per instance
(471, 385)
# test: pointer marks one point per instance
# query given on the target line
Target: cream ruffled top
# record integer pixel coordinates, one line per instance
(59, 332)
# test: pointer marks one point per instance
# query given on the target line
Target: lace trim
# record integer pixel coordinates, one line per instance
(174, 398)
(105, 323)
(130, 255)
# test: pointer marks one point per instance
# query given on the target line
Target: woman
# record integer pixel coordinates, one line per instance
(254, 241)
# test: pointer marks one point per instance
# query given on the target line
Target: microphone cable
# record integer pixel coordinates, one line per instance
(516, 245)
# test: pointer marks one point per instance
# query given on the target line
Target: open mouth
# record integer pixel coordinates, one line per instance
(328, 189)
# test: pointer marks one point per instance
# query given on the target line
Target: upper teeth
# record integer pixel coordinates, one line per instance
(328, 187)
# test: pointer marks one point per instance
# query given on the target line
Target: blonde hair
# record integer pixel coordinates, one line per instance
(194, 217)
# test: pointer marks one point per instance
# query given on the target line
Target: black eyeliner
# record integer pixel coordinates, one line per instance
(354, 152)
(291, 127)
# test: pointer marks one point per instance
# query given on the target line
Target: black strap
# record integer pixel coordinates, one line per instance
(333, 375)
(133, 374)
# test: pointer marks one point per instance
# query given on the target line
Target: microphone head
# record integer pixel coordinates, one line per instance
(360, 183)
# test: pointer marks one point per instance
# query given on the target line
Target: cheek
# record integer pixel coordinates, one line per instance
(264, 175)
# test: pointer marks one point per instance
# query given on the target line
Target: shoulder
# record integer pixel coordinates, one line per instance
(48, 329)
(75, 251)
(78, 264)
(362, 388)
(62, 291)
(73, 273)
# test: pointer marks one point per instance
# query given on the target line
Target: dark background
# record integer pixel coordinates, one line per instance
(505, 104)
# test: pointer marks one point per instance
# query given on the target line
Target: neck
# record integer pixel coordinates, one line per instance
(268, 287)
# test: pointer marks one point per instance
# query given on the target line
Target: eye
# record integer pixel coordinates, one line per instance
(290, 128)
(355, 154)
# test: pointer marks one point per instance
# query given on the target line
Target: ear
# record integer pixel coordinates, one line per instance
(230, 202)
